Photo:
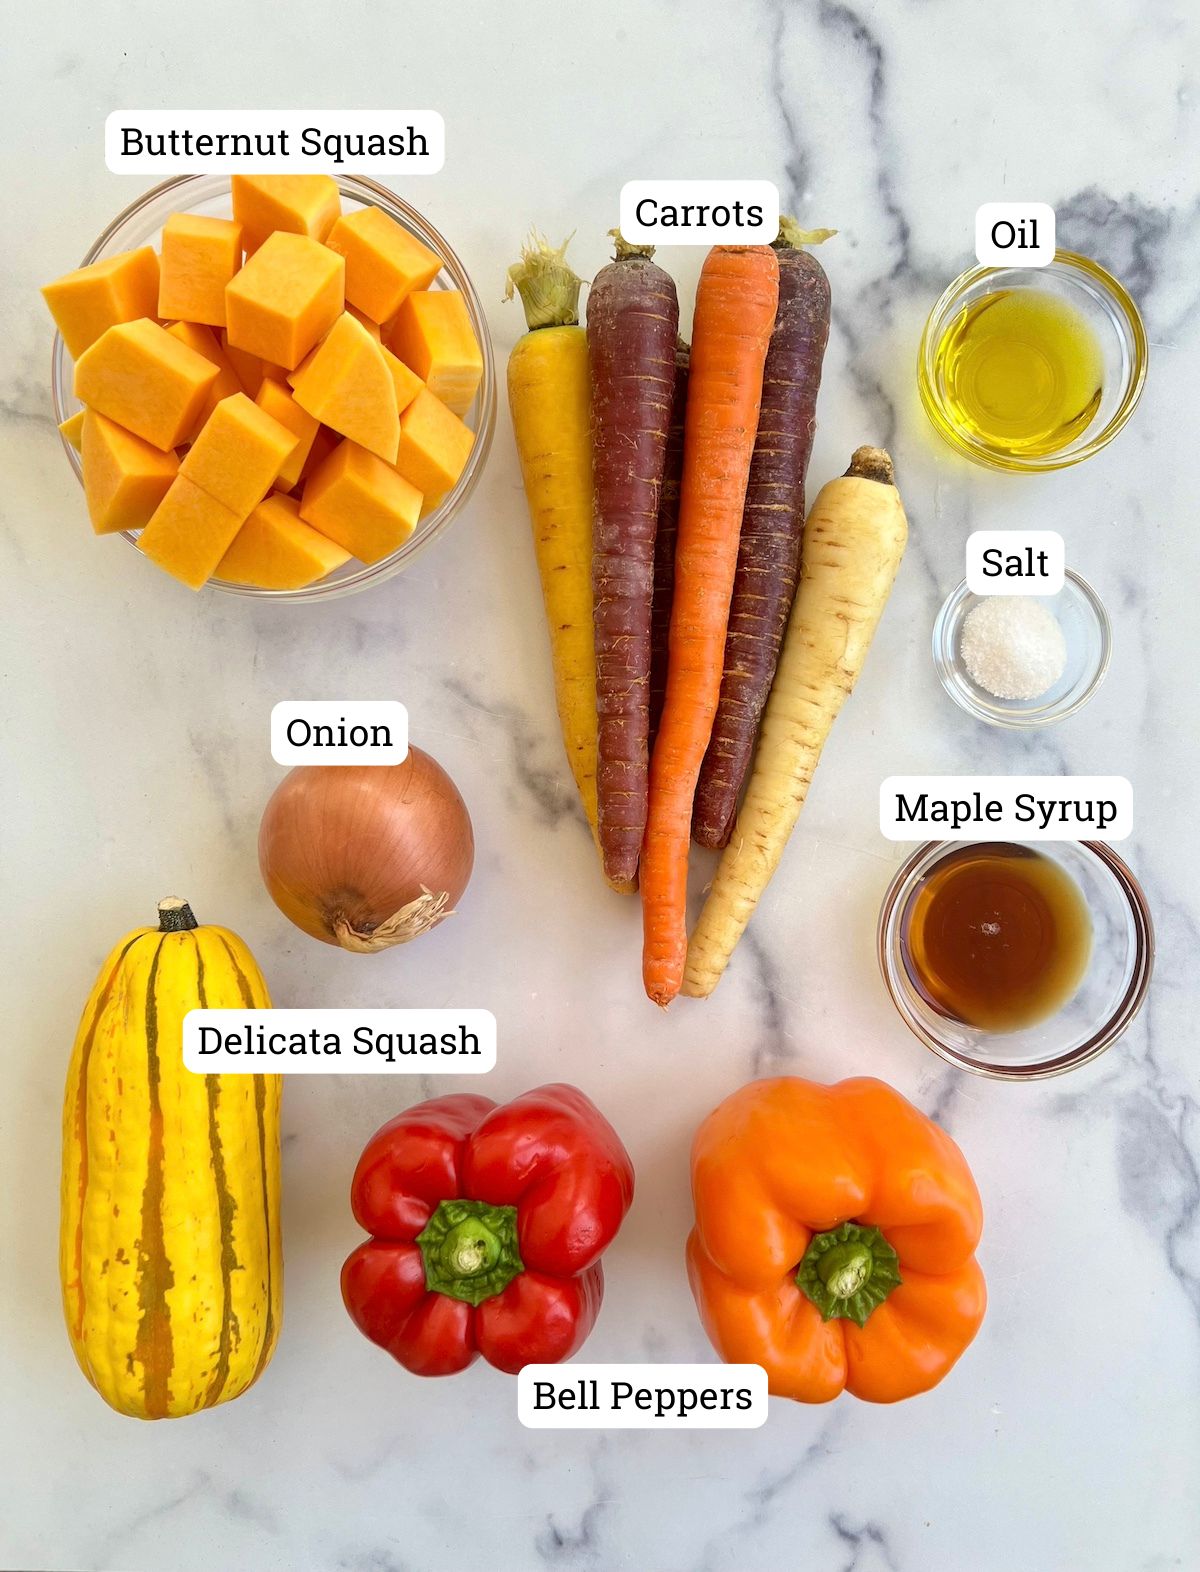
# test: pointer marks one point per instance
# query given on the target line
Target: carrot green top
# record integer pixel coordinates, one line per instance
(547, 284)
(628, 248)
(790, 234)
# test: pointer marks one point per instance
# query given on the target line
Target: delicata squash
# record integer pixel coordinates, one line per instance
(170, 1251)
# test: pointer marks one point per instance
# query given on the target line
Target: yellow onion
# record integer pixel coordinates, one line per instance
(366, 856)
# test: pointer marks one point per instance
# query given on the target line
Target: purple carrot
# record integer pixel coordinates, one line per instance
(632, 326)
(664, 541)
(772, 524)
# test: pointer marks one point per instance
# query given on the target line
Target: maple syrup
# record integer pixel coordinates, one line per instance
(996, 936)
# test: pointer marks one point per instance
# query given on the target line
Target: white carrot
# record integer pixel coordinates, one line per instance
(853, 541)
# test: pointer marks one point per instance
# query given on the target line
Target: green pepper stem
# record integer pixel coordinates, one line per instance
(848, 1272)
(844, 1269)
(470, 1250)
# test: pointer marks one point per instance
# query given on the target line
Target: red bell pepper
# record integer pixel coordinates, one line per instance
(487, 1226)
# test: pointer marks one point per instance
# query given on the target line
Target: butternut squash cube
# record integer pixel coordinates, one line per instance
(204, 341)
(372, 328)
(345, 384)
(288, 295)
(276, 399)
(434, 446)
(249, 368)
(238, 454)
(298, 204)
(433, 336)
(189, 533)
(72, 429)
(407, 383)
(124, 478)
(275, 549)
(88, 301)
(383, 261)
(361, 502)
(199, 257)
(147, 381)
(324, 443)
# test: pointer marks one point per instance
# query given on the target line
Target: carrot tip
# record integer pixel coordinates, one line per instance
(661, 994)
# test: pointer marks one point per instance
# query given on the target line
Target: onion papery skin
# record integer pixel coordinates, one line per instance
(367, 856)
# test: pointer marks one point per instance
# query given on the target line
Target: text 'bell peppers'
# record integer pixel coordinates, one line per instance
(835, 1240)
(487, 1226)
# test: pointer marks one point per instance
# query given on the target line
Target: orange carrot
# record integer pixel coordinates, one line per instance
(735, 312)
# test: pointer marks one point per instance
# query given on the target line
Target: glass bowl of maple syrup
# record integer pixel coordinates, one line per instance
(1015, 959)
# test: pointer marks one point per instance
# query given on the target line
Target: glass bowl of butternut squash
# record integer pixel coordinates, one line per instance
(279, 386)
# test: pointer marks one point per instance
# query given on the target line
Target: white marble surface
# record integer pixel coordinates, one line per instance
(137, 764)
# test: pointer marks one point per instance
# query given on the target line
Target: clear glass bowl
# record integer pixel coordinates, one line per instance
(1110, 995)
(1088, 634)
(1114, 320)
(141, 224)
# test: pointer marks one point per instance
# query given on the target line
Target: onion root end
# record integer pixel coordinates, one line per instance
(410, 922)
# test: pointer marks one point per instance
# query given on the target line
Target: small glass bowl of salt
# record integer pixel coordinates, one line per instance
(1022, 660)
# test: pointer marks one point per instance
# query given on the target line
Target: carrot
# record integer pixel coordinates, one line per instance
(769, 551)
(632, 326)
(735, 309)
(853, 542)
(664, 542)
(549, 396)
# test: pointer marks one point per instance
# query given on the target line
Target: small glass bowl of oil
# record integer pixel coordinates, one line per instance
(1016, 959)
(1029, 369)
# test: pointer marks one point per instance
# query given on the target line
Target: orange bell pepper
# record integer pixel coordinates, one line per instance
(834, 1242)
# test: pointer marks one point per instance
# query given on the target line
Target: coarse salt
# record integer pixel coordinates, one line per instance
(1013, 646)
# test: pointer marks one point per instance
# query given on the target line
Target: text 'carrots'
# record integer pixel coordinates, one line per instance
(736, 302)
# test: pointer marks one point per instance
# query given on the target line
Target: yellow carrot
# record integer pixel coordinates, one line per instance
(853, 541)
(549, 396)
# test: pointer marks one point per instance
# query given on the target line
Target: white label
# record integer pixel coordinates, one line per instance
(274, 141)
(642, 1397)
(1014, 234)
(1006, 807)
(327, 731)
(339, 1042)
(699, 212)
(1015, 562)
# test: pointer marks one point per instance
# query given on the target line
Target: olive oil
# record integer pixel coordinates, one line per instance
(996, 937)
(1022, 371)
